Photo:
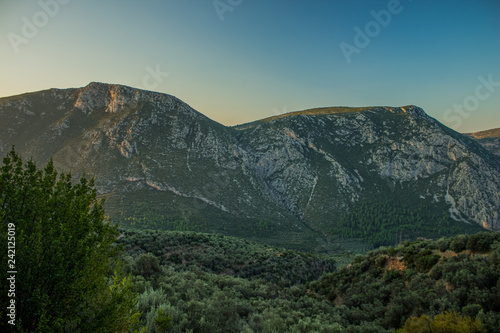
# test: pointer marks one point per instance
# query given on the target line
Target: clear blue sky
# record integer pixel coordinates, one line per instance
(266, 56)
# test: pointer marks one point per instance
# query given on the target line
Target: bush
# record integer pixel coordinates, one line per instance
(480, 242)
(459, 243)
(447, 322)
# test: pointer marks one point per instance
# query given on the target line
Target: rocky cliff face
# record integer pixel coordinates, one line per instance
(157, 159)
(376, 149)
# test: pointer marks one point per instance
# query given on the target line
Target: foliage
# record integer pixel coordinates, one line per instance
(447, 322)
(220, 255)
(63, 253)
(185, 281)
(379, 221)
(378, 292)
(421, 279)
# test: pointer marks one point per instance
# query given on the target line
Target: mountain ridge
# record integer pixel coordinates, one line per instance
(294, 179)
(489, 139)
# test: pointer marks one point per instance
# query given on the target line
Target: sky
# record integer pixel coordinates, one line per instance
(241, 60)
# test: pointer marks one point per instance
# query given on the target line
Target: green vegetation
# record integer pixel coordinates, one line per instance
(77, 273)
(444, 322)
(381, 222)
(213, 283)
(424, 277)
(150, 207)
(224, 255)
(61, 247)
(193, 288)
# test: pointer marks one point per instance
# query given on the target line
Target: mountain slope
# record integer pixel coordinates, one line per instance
(294, 180)
(224, 255)
(390, 285)
(159, 163)
(489, 139)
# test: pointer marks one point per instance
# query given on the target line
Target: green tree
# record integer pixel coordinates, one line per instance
(459, 243)
(446, 322)
(417, 325)
(63, 253)
(451, 322)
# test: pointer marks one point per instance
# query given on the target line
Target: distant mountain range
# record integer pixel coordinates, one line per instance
(489, 139)
(307, 180)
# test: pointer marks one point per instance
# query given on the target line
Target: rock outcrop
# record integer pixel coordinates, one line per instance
(155, 157)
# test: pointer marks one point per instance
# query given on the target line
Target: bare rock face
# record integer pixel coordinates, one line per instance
(296, 172)
(381, 145)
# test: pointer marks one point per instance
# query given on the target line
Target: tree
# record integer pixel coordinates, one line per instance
(453, 322)
(446, 322)
(459, 243)
(417, 325)
(63, 253)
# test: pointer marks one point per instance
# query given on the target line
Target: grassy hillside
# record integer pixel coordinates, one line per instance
(308, 112)
(492, 133)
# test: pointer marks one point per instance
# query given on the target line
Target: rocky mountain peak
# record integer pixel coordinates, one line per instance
(414, 110)
(111, 97)
(300, 173)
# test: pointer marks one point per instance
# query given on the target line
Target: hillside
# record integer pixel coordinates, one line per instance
(489, 139)
(226, 256)
(423, 277)
(310, 180)
(375, 293)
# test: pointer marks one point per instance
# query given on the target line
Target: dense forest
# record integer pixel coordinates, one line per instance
(378, 222)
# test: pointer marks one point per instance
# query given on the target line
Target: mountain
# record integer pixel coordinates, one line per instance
(489, 139)
(306, 180)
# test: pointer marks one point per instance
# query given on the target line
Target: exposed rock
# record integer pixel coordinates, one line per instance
(296, 170)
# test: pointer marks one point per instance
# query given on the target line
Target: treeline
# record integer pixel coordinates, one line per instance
(59, 257)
